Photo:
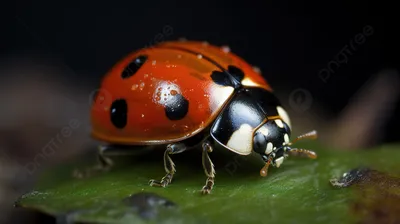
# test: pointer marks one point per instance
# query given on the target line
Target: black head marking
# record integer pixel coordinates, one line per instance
(134, 66)
(232, 77)
(177, 107)
(266, 100)
(118, 113)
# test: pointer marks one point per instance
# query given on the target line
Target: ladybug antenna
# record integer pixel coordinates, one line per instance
(309, 135)
(303, 152)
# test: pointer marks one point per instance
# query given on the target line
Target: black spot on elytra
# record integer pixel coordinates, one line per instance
(232, 77)
(177, 107)
(118, 113)
(221, 78)
(236, 72)
(134, 66)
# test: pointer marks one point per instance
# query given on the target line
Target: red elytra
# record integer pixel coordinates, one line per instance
(172, 74)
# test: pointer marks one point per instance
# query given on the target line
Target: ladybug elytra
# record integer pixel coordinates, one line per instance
(186, 93)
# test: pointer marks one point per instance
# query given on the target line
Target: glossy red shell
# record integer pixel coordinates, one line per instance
(165, 73)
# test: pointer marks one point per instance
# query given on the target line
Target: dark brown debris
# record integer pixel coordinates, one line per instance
(377, 195)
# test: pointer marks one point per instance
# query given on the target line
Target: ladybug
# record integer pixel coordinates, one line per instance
(187, 94)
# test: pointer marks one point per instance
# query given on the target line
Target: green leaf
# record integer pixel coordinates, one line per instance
(298, 192)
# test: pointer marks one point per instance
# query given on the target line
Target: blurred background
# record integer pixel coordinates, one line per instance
(333, 64)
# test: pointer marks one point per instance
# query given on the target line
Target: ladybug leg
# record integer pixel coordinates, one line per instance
(208, 167)
(169, 165)
(104, 164)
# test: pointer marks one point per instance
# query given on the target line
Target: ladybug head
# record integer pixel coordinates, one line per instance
(272, 142)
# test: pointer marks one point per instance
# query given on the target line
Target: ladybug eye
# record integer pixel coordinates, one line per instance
(134, 66)
(118, 113)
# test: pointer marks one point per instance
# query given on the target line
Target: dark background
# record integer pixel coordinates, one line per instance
(290, 41)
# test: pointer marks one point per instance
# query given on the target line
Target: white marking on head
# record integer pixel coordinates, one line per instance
(242, 138)
(279, 161)
(268, 149)
(199, 56)
(279, 123)
(284, 115)
(286, 137)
